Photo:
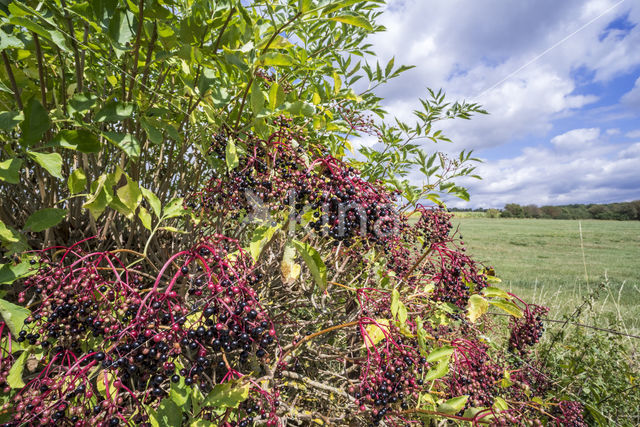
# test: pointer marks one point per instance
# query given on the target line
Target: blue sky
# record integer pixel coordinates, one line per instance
(561, 80)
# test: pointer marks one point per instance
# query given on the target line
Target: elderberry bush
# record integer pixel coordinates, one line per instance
(305, 292)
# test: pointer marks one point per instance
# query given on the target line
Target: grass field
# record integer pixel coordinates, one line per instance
(542, 261)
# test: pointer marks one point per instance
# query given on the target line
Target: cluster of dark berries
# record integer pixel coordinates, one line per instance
(527, 331)
(455, 275)
(474, 375)
(569, 414)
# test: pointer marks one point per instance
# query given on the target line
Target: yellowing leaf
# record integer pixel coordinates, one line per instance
(376, 332)
(476, 307)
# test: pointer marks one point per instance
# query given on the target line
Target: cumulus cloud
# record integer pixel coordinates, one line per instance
(530, 63)
(581, 166)
(632, 98)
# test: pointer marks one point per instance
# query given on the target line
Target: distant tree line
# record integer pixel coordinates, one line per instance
(625, 211)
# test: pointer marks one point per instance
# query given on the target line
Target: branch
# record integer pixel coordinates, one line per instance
(12, 79)
(43, 89)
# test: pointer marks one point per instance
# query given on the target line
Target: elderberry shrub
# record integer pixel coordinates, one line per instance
(98, 326)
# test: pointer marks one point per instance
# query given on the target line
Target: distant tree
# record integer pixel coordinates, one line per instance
(493, 213)
(531, 211)
(553, 212)
(514, 209)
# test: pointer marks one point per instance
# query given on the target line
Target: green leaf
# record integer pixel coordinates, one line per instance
(154, 134)
(9, 272)
(121, 29)
(422, 336)
(13, 315)
(44, 218)
(304, 5)
(130, 195)
(153, 200)
(442, 353)
(180, 393)
(334, 6)
(106, 376)
(10, 170)
(80, 103)
(500, 404)
(314, 262)
(495, 292)
(81, 140)
(36, 122)
(100, 198)
(10, 119)
(231, 154)
(14, 379)
(7, 234)
(52, 162)
(114, 112)
(174, 208)
(507, 306)
(438, 372)
(276, 96)
(454, 405)
(476, 307)
(145, 217)
(257, 98)
(395, 300)
(227, 395)
(355, 20)
(167, 414)
(273, 59)
(77, 181)
(125, 141)
(261, 236)
(402, 313)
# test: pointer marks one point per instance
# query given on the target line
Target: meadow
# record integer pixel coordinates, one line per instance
(560, 263)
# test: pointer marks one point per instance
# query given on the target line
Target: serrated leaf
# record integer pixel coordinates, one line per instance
(10, 119)
(314, 262)
(376, 332)
(9, 272)
(395, 300)
(500, 404)
(44, 218)
(52, 162)
(231, 154)
(454, 405)
(273, 59)
(439, 371)
(476, 307)
(145, 217)
(402, 313)
(14, 379)
(491, 292)
(507, 306)
(80, 139)
(77, 181)
(13, 315)
(10, 170)
(130, 196)
(100, 199)
(227, 395)
(422, 336)
(36, 122)
(276, 96)
(167, 414)
(174, 208)
(355, 20)
(261, 236)
(304, 5)
(125, 141)
(442, 353)
(153, 200)
(7, 234)
(180, 393)
(80, 103)
(257, 98)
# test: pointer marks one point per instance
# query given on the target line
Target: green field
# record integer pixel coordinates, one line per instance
(544, 262)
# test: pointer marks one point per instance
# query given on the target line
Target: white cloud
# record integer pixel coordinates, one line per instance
(580, 167)
(467, 47)
(633, 134)
(613, 131)
(632, 98)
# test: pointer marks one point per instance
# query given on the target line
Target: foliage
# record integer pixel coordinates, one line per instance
(184, 217)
